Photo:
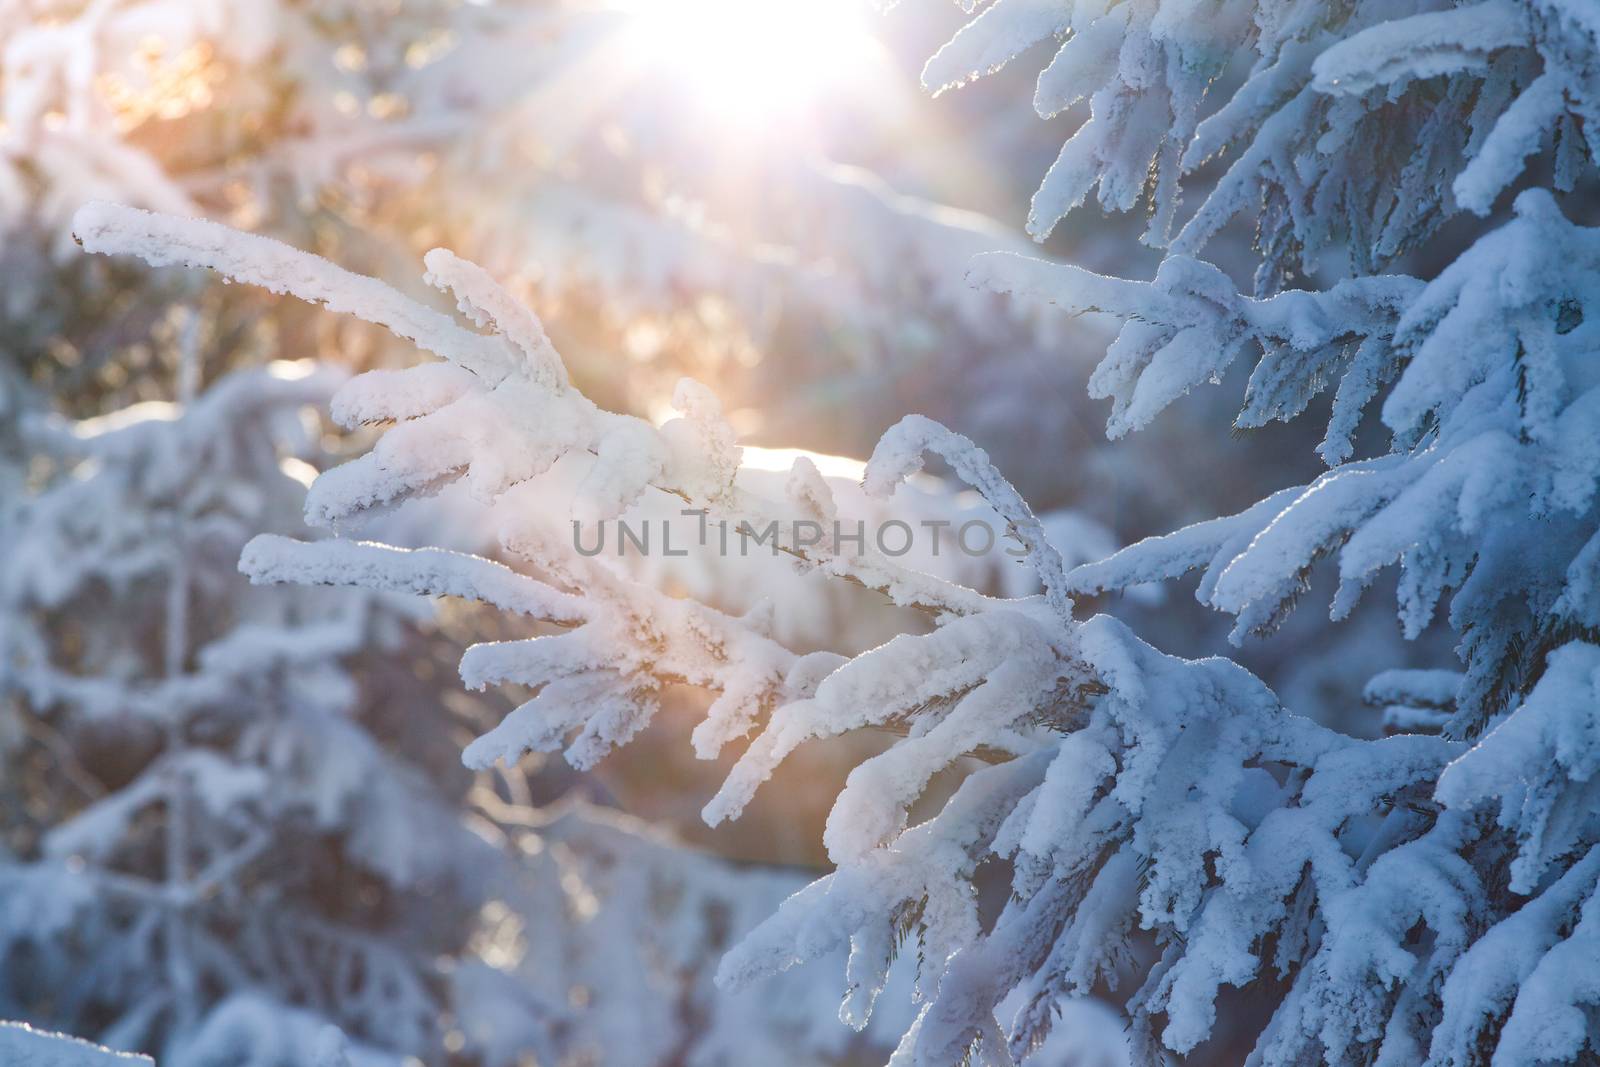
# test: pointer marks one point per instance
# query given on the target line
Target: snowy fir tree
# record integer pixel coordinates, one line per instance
(221, 859)
(197, 763)
(1385, 242)
(128, 855)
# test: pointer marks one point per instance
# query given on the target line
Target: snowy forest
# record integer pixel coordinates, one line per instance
(832, 533)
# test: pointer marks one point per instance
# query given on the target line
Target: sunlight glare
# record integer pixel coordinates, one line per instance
(747, 61)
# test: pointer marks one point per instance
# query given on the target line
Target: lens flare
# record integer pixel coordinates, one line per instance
(747, 62)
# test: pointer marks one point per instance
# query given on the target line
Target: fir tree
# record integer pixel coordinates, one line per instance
(1427, 897)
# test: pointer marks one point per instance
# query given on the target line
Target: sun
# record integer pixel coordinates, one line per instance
(748, 62)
